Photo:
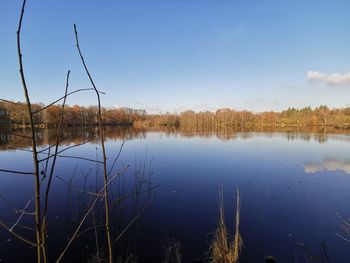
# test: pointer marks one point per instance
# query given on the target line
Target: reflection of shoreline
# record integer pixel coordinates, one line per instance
(70, 136)
(9, 140)
(329, 164)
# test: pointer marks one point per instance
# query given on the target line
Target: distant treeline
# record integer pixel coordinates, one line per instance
(14, 114)
(231, 118)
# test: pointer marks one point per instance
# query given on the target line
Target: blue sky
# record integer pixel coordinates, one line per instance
(171, 55)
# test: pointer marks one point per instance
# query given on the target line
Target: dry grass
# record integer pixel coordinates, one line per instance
(222, 250)
(171, 252)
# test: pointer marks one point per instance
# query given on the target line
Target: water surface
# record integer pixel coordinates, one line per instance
(293, 185)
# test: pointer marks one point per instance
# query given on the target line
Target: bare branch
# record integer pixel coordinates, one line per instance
(12, 102)
(15, 210)
(77, 188)
(21, 215)
(63, 98)
(135, 193)
(105, 175)
(342, 237)
(35, 156)
(20, 135)
(47, 162)
(88, 229)
(76, 145)
(17, 235)
(71, 157)
(68, 156)
(15, 172)
(116, 158)
(20, 226)
(59, 130)
(88, 212)
(132, 221)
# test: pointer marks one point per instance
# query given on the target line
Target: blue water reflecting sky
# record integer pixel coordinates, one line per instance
(291, 187)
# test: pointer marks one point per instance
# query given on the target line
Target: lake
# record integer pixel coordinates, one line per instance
(294, 185)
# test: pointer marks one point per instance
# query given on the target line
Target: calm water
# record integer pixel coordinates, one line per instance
(292, 184)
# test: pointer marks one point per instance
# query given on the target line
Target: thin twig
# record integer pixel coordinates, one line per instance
(88, 229)
(88, 212)
(59, 130)
(342, 237)
(132, 221)
(19, 225)
(77, 188)
(116, 158)
(96, 236)
(20, 135)
(15, 210)
(67, 148)
(12, 102)
(70, 157)
(108, 232)
(76, 145)
(47, 161)
(21, 215)
(18, 235)
(15, 172)
(64, 97)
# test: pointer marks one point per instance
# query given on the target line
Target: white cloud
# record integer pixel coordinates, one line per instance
(329, 79)
(152, 109)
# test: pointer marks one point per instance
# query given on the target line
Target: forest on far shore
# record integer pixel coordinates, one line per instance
(14, 114)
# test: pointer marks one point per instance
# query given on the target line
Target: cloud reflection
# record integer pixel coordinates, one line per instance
(329, 164)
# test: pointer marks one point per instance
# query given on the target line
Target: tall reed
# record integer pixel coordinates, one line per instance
(222, 250)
